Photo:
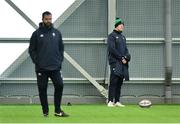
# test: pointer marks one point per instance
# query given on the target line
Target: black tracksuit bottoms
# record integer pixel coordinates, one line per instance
(115, 88)
(42, 82)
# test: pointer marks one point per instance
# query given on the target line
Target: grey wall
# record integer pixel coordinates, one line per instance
(89, 20)
(143, 19)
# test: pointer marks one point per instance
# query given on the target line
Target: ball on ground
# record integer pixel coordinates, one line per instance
(145, 103)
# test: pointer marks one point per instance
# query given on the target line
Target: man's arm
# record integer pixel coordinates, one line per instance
(112, 48)
(61, 47)
(33, 48)
(127, 55)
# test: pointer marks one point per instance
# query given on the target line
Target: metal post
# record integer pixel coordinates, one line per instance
(111, 20)
(111, 14)
(168, 52)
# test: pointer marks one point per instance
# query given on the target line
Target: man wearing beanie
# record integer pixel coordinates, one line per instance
(119, 58)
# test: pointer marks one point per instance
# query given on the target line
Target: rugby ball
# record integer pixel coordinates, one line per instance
(145, 103)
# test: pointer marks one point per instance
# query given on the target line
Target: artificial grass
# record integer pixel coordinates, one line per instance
(91, 114)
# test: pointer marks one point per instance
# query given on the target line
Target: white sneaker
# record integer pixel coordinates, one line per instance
(110, 104)
(118, 104)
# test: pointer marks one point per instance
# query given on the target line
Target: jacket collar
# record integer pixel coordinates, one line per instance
(45, 28)
(118, 32)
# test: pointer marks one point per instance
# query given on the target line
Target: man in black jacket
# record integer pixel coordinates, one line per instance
(46, 51)
(119, 58)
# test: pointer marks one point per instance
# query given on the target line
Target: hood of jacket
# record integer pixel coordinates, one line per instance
(45, 28)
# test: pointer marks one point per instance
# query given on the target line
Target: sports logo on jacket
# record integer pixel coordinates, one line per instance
(41, 35)
(53, 34)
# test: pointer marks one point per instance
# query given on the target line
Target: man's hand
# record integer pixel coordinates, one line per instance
(124, 61)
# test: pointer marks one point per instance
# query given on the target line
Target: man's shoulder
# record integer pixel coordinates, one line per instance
(123, 36)
(112, 34)
(36, 31)
(55, 30)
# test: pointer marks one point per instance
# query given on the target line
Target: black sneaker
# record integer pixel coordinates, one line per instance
(61, 114)
(45, 114)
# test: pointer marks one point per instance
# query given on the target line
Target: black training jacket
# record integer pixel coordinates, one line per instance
(46, 48)
(117, 50)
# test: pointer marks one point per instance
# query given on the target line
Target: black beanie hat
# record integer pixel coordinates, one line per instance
(118, 21)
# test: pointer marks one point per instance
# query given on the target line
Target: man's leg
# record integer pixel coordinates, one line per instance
(42, 81)
(112, 87)
(118, 90)
(58, 86)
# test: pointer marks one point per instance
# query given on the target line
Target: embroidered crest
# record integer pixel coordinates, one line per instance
(39, 74)
(53, 34)
(41, 35)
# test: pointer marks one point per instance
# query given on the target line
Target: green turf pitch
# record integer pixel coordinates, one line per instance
(91, 114)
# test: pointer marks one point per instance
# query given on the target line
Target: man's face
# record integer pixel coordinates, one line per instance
(47, 20)
(120, 27)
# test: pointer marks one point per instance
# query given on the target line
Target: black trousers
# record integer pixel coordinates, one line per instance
(115, 88)
(42, 81)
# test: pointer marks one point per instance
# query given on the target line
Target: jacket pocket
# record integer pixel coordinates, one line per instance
(117, 69)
